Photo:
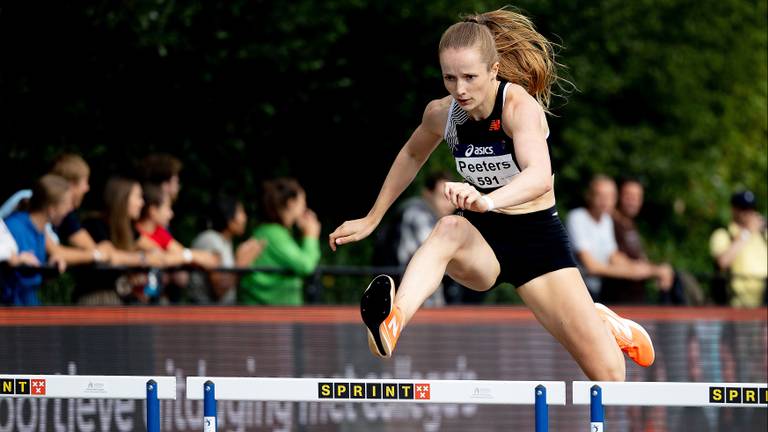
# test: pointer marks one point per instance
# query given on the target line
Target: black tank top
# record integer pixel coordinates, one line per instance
(484, 154)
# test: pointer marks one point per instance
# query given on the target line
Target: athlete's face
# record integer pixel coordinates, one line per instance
(468, 78)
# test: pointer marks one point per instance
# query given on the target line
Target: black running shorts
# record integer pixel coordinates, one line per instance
(526, 245)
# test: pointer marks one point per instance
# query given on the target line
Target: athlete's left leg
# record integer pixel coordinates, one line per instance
(561, 302)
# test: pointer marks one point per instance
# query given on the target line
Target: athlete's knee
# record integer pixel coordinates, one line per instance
(451, 228)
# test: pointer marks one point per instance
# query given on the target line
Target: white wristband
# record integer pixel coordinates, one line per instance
(97, 256)
(488, 201)
(187, 254)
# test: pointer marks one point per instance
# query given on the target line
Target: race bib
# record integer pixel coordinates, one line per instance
(486, 166)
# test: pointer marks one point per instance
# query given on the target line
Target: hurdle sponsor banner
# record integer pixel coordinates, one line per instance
(674, 394)
(85, 386)
(350, 390)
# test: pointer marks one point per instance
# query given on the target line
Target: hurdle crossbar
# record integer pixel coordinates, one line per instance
(537, 393)
(673, 394)
(150, 388)
(85, 386)
(369, 390)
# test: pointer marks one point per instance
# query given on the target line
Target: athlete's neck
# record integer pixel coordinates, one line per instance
(484, 110)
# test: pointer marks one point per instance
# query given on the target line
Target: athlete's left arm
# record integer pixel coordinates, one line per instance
(525, 122)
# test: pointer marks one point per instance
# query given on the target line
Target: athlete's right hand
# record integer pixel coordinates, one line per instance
(351, 231)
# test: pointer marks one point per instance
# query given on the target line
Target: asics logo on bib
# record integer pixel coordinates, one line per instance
(478, 151)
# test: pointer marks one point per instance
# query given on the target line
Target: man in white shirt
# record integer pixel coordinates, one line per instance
(594, 241)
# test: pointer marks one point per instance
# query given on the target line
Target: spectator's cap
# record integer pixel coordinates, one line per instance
(744, 200)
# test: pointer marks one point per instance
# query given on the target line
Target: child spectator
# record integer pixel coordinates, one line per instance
(155, 215)
(51, 201)
(153, 236)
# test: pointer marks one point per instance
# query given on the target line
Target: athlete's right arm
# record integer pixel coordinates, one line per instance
(409, 160)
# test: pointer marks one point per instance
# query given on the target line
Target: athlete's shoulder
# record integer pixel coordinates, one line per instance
(522, 108)
(436, 115)
(518, 96)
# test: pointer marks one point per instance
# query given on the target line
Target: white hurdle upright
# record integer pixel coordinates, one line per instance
(537, 393)
(151, 388)
(600, 393)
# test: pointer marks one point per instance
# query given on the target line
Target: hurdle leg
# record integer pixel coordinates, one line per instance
(209, 407)
(596, 411)
(153, 407)
(542, 410)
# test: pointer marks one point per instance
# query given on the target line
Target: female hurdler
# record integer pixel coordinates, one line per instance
(498, 72)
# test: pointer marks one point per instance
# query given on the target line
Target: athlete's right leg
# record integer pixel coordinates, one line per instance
(454, 246)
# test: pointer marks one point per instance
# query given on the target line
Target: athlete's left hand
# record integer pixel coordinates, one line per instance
(465, 197)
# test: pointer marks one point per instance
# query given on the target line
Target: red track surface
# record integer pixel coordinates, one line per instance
(45, 316)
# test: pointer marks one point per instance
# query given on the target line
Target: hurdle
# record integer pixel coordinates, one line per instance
(541, 394)
(151, 388)
(597, 394)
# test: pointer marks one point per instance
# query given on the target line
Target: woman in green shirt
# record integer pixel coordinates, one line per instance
(285, 206)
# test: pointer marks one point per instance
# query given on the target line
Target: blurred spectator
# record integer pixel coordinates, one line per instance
(285, 206)
(228, 221)
(82, 249)
(51, 201)
(594, 242)
(629, 242)
(19, 200)
(163, 170)
(9, 250)
(741, 254)
(156, 214)
(114, 230)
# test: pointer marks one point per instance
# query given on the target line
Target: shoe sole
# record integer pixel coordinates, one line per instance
(375, 307)
(630, 323)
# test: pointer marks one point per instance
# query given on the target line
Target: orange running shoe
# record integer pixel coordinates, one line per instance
(383, 319)
(631, 336)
